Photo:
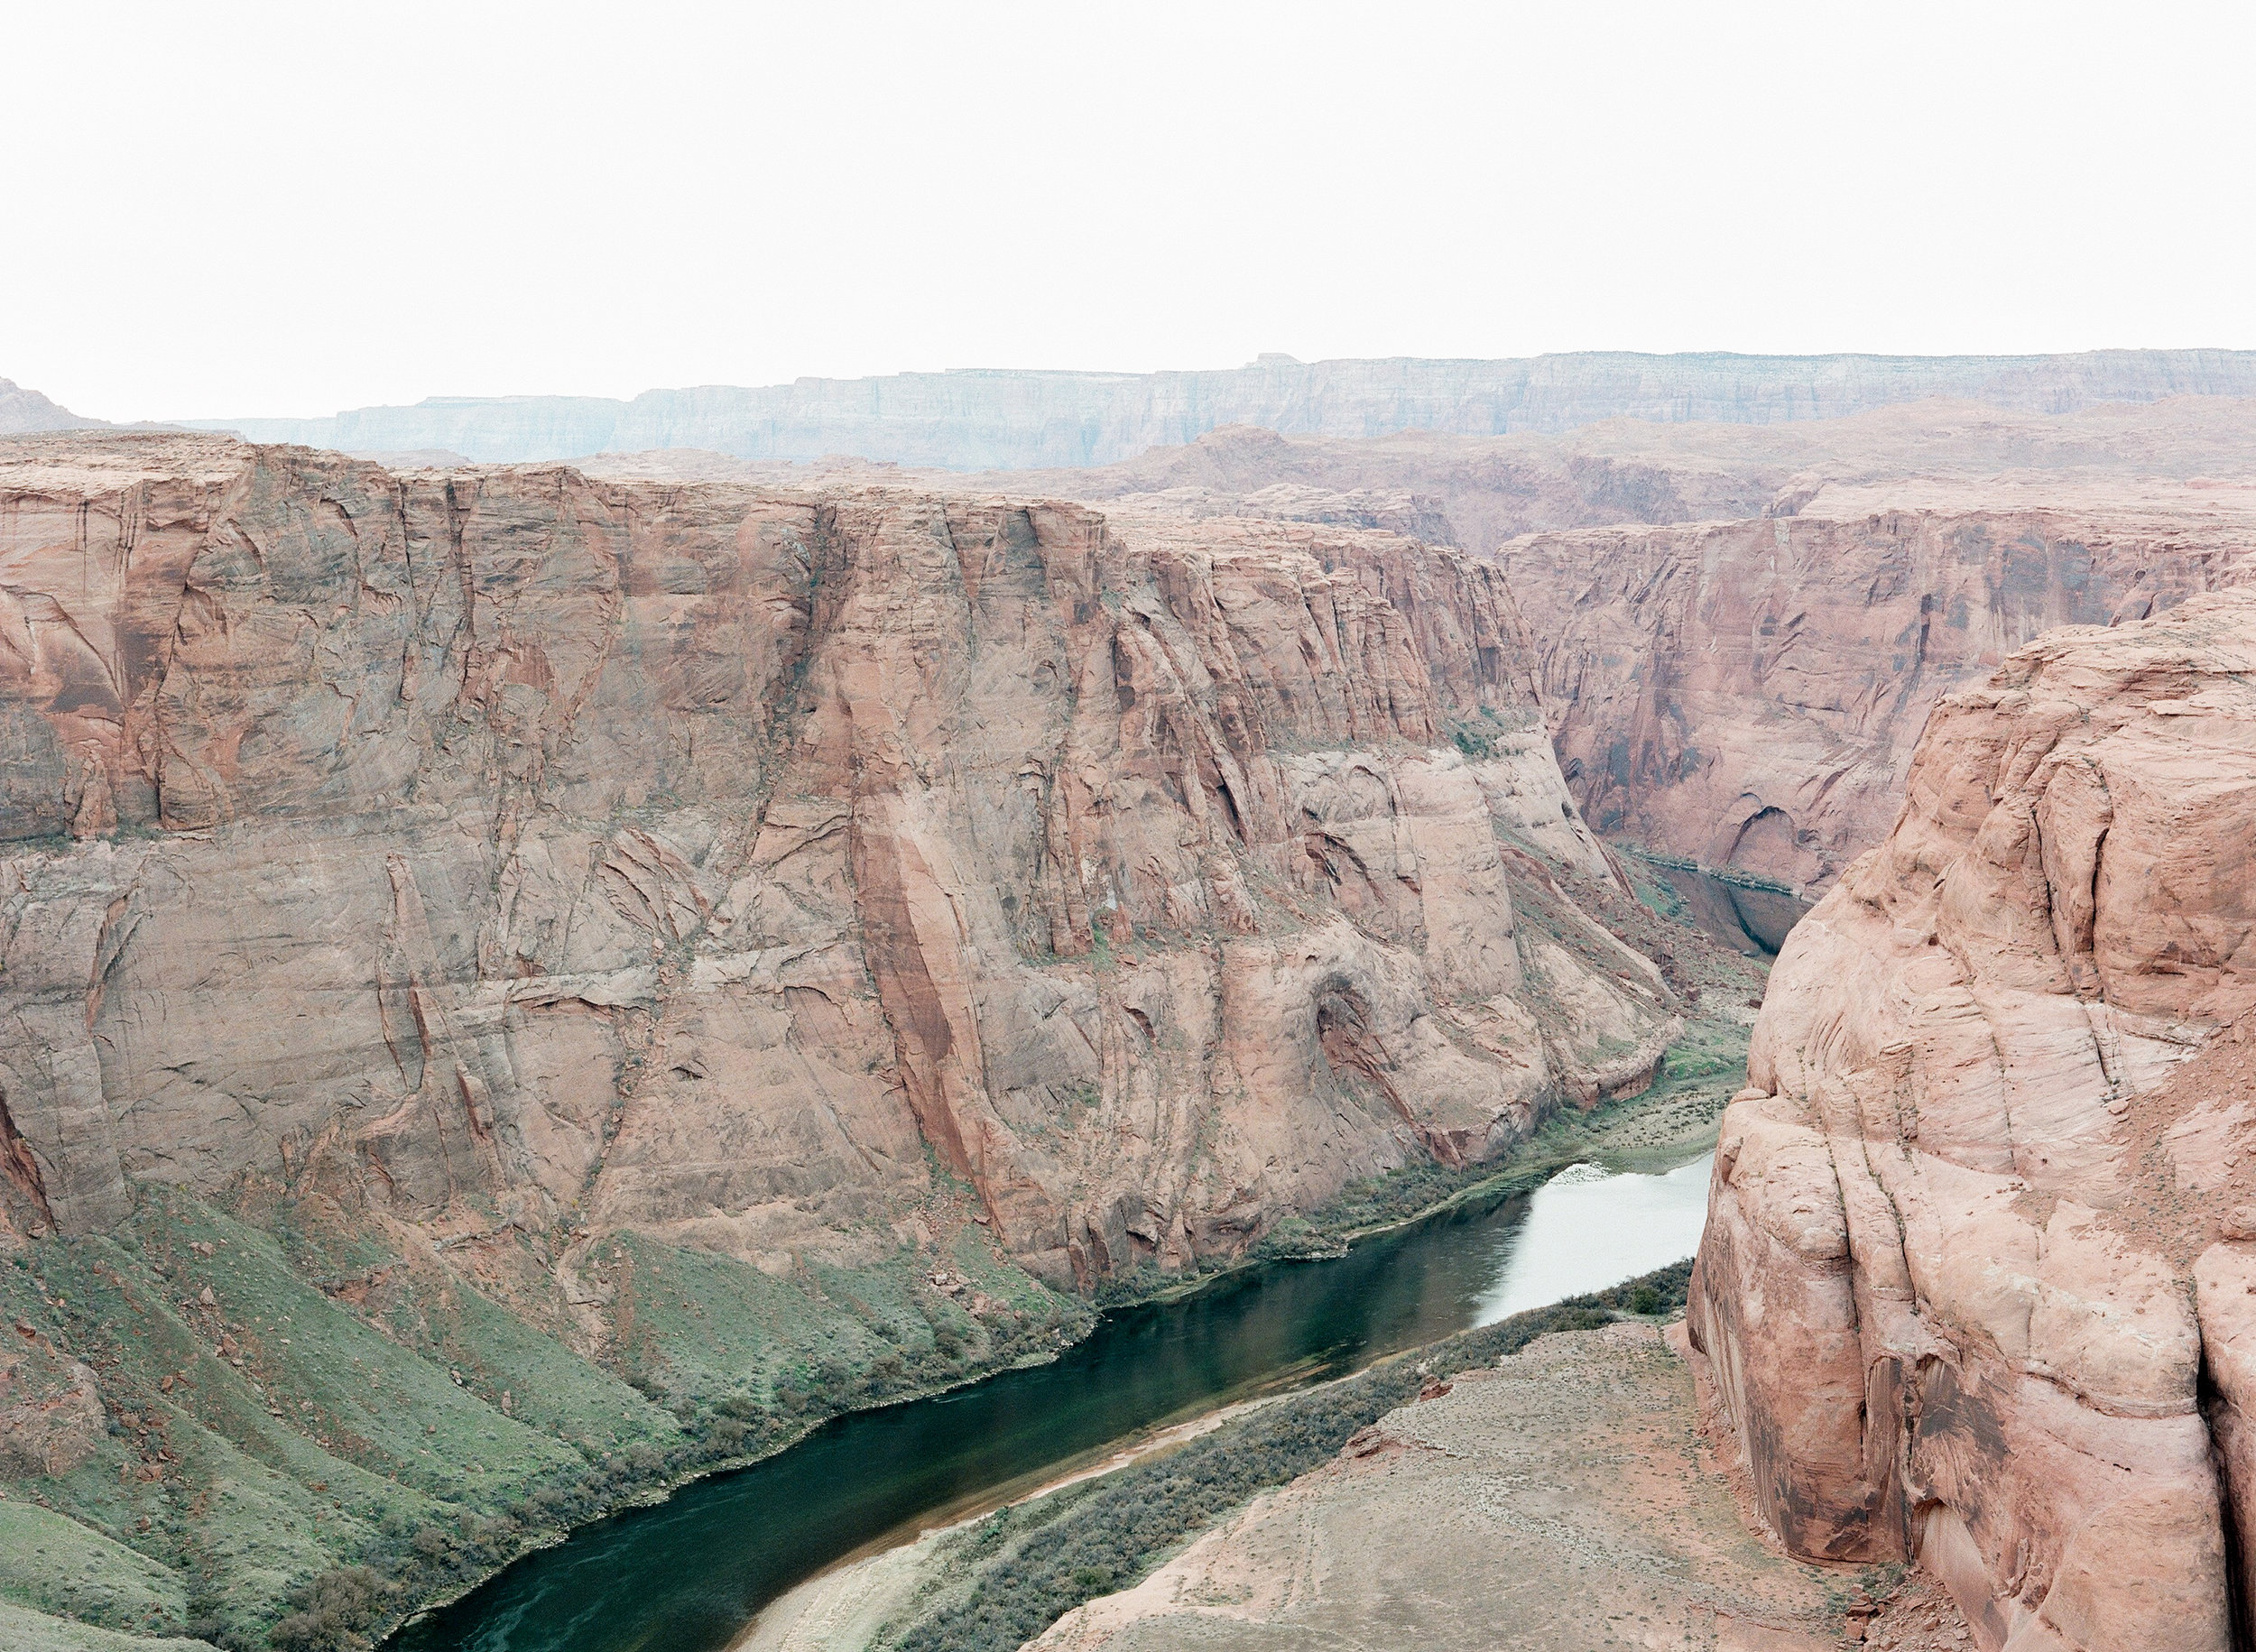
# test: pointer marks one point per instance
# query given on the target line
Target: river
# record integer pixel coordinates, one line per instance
(686, 1575)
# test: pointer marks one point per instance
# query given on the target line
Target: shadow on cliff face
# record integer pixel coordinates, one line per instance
(1753, 922)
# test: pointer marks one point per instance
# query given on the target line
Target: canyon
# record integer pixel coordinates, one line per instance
(968, 816)
(1747, 626)
(521, 983)
(627, 967)
(1975, 1291)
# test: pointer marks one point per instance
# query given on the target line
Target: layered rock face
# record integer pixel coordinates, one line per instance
(1976, 1280)
(507, 853)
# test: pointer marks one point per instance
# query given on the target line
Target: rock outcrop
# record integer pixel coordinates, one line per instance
(1976, 1280)
(504, 853)
(51, 1409)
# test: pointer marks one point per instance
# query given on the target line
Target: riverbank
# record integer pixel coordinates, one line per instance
(694, 1571)
(1583, 1228)
(987, 1584)
(1671, 1122)
(1563, 1479)
(1560, 1495)
(1585, 1491)
(848, 1602)
(454, 1442)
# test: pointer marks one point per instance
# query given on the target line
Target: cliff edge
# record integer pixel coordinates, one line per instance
(1976, 1280)
(516, 989)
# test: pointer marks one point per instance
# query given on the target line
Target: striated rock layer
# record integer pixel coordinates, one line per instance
(1977, 1280)
(503, 852)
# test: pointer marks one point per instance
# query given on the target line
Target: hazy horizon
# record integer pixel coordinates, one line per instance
(1257, 360)
(373, 206)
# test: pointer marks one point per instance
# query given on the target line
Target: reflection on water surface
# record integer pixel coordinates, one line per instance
(1587, 1228)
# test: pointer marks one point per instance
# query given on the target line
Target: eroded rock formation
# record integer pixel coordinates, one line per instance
(1976, 1276)
(1745, 626)
(50, 1410)
(507, 853)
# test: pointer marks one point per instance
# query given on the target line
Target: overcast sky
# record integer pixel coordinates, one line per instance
(231, 211)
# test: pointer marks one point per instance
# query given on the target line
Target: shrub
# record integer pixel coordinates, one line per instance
(332, 1611)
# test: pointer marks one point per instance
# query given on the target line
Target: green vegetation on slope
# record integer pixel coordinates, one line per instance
(51, 1563)
(23, 1630)
(306, 1437)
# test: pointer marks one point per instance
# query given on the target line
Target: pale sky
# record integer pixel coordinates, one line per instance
(221, 210)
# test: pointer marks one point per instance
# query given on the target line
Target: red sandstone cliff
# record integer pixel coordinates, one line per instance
(504, 852)
(1749, 693)
(1977, 1280)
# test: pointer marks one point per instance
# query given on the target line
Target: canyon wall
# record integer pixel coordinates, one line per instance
(516, 989)
(1977, 1283)
(1745, 627)
(1000, 418)
(514, 855)
(1748, 693)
